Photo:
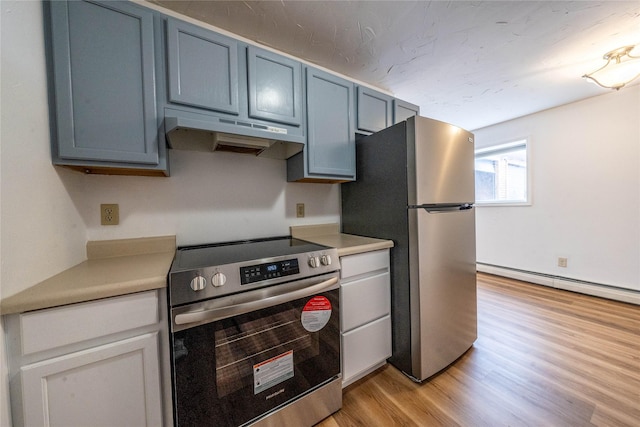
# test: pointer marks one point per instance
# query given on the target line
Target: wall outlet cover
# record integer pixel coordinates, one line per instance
(109, 214)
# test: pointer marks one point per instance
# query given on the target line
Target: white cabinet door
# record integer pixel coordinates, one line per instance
(365, 300)
(365, 348)
(116, 384)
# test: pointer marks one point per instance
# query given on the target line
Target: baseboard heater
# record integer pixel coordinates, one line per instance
(565, 283)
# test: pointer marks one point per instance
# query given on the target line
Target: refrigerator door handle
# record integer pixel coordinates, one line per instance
(444, 207)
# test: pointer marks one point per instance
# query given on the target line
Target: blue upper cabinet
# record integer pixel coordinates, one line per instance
(219, 84)
(402, 110)
(274, 87)
(374, 110)
(330, 152)
(202, 68)
(101, 58)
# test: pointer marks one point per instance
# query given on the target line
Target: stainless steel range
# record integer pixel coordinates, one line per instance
(255, 331)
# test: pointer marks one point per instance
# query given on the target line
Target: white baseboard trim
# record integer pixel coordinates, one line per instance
(588, 288)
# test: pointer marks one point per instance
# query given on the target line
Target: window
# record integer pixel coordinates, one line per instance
(501, 174)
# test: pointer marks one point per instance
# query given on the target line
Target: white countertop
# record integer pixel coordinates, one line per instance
(119, 267)
(347, 244)
(112, 268)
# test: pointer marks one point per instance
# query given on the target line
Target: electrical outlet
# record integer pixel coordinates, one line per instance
(109, 214)
(300, 210)
(562, 262)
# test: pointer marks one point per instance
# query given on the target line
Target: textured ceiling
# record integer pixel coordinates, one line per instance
(471, 63)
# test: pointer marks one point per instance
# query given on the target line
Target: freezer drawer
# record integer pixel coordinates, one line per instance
(364, 348)
(443, 166)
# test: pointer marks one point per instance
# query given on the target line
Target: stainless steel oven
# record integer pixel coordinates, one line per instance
(255, 332)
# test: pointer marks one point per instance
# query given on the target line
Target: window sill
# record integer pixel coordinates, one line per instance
(493, 204)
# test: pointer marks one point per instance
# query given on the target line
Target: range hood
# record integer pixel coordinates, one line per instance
(187, 133)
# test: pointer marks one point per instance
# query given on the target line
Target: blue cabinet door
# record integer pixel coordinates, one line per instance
(402, 110)
(274, 87)
(230, 87)
(103, 82)
(330, 147)
(202, 68)
(374, 110)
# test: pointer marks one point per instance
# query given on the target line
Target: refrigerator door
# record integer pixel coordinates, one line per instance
(442, 170)
(443, 288)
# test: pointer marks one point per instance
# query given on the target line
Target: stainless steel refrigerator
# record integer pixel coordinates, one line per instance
(415, 186)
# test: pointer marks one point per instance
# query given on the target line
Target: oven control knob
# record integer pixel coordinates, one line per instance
(198, 283)
(314, 262)
(325, 260)
(218, 279)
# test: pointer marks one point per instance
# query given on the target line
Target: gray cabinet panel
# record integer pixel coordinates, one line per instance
(331, 133)
(402, 110)
(374, 110)
(232, 87)
(102, 57)
(275, 87)
(202, 68)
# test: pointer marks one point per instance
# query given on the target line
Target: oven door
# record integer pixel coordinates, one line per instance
(237, 358)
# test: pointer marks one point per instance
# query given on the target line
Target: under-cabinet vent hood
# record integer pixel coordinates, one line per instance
(230, 136)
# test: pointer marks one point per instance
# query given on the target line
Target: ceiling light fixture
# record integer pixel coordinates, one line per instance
(621, 68)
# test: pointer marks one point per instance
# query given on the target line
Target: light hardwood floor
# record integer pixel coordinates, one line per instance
(543, 357)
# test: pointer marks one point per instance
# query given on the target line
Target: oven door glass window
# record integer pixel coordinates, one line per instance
(235, 370)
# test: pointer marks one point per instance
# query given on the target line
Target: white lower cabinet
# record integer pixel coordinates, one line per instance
(117, 384)
(365, 349)
(97, 364)
(365, 307)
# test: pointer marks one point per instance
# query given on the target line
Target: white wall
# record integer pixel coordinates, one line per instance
(210, 197)
(585, 160)
(47, 214)
(42, 231)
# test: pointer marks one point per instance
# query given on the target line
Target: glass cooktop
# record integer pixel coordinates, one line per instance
(201, 256)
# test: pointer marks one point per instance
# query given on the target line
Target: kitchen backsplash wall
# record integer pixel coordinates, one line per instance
(210, 197)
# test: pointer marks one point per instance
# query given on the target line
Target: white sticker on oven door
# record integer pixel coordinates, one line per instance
(272, 371)
(316, 313)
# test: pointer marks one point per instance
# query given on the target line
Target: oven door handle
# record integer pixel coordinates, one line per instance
(213, 314)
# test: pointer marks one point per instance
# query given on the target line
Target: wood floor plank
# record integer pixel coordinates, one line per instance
(543, 357)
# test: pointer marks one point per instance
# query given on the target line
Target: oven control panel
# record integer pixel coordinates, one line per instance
(199, 273)
(270, 270)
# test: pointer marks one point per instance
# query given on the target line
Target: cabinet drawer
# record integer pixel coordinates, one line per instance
(365, 347)
(364, 300)
(354, 265)
(56, 327)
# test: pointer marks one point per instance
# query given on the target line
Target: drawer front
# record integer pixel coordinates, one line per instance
(365, 347)
(56, 327)
(364, 300)
(354, 265)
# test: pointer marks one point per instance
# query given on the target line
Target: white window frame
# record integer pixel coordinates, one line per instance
(505, 146)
